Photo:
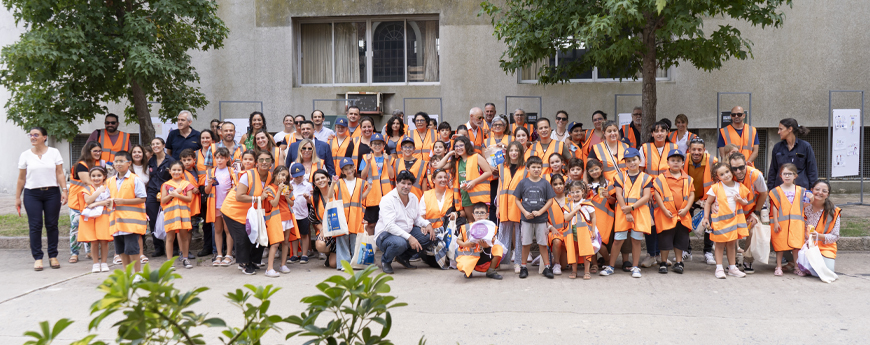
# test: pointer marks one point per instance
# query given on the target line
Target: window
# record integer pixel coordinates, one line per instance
(528, 75)
(368, 51)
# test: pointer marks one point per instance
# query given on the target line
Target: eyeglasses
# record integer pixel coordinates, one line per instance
(788, 174)
(265, 160)
(498, 124)
(479, 213)
(561, 119)
(307, 149)
(739, 168)
(32, 135)
(738, 114)
(111, 122)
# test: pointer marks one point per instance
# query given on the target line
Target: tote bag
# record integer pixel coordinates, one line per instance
(811, 261)
(334, 221)
(364, 251)
(760, 245)
(159, 230)
(255, 223)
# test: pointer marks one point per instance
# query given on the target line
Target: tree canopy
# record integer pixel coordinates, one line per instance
(77, 55)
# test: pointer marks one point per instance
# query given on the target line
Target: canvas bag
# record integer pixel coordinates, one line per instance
(811, 261)
(364, 251)
(334, 221)
(759, 248)
(159, 229)
(255, 223)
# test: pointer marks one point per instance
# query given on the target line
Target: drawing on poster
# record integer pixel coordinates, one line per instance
(846, 142)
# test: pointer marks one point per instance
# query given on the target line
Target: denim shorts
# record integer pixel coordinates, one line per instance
(623, 235)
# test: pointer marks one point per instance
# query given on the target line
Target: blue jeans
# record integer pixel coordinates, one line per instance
(394, 246)
(344, 248)
(39, 203)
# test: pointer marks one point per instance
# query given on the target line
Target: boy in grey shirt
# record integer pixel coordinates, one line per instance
(534, 197)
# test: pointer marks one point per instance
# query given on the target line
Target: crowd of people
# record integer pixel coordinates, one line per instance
(583, 196)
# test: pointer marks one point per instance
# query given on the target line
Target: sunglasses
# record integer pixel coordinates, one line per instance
(738, 114)
(307, 149)
(111, 122)
(561, 119)
(697, 141)
(739, 168)
(265, 160)
(297, 122)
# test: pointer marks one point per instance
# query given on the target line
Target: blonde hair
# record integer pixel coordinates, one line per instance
(314, 158)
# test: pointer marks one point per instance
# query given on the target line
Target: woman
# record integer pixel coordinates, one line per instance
(367, 126)
(79, 181)
(825, 218)
(497, 136)
(595, 135)
(395, 131)
(654, 153)
(437, 203)
(560, 133)
(141, 155)
(264, 142)
(423, 137)
(795, 151)
(256, 122)
(682, 137)
(40, 178)
(522, 135)
(158, 173)
(472, 173)
(323, 194)
(510, 174)
(307, 155)
(611, 151)
(205, 155)
(235, 210)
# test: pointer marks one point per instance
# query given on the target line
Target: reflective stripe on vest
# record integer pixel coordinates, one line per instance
(126, 218)
(745, 142)
(727, 220)
(480, 192)
(434, 214)
(507, 207)
(109, 149)
(829, 250)
(422, 145)
(654, 159)
(628, 133)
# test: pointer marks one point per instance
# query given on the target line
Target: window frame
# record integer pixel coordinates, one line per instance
(594, 79)
(369, 55)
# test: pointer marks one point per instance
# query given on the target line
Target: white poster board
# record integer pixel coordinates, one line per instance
(412, 126)
(161, 129)
(846, 145)
(624, 119)
(241, 127)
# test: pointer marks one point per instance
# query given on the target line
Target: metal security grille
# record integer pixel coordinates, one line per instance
(761, 159)
(818, 139)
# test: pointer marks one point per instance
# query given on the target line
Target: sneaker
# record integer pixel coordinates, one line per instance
(626, 266)
(293, 259)
(648, 262)
(242, 267)
(687, 256)
(747, 268)
(186, 263)
(249, 270)
(272, 274)
(416, 257)
(137, 279)
(734, 272)
(516, 268)
(557, 269)
(720, 273)
(663, 268)
(493, 275)
(284, 269)
(524, 272)
(678, 268)
(321, 256)
(548, 272)
(304, 259)
(96, 268)
(104, 267)
(387, 267)
(710, 259)
(635, 272)
(404, 262)
(606, 271)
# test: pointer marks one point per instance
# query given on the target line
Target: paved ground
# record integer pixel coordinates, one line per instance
(449, 309)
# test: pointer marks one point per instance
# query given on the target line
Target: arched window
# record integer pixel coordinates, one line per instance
(388, 46)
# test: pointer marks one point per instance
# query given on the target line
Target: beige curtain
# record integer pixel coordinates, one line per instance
(316, 53)
(430, 51)
(531, 72)
(347, 53)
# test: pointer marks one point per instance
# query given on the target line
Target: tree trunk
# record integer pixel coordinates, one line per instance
(648, 75)
(140, 105)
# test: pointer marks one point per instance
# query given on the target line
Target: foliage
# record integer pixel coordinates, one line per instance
(78, 55)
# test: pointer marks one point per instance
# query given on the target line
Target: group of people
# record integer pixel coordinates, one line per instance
(582, 195)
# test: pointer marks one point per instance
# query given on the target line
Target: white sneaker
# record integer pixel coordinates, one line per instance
(687, 256)
(635, 272)
(648, 261)
(104, 267)
(137, 279)
(710, 259)
(734, 272)
(557, 269)
(516, 268)
(96, 268)
(284, 269)
(720, 273)
(272, 274)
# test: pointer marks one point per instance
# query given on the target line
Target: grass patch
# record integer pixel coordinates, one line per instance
(14, 226)
(853, 227)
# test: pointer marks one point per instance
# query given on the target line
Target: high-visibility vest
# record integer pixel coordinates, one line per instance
(480, 192)
(486, 129)
(604, 214)
(289, 139)
(707, 162)
(423, 145)
(628, 134)
(110, 149)
(752, 175)
(276, 154)
(574, 151)
(339, 151)
(670, 200)
(477, 137)
(76, 188)
(127, 218)
(435, 214)
(538, 150)
(631, 193)
(556, 218)
(611, 166)
(823, 227)
(507, 206)
(236, 210)
(357, 132)
(352, 200)
(728, 225)
(200, 163)
(576, 235)
(530, 127)
(195, 203)
(94, 228)
(672, 137)
(582, 232)
(656, 163)
(176, 213)
(274, 226)
(378, 178)
(467, 257)
(211, 198)
(587, 145)
(745, 142)
(790, 216)
(417, 170)
(236, 153)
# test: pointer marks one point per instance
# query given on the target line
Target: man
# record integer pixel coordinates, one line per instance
(215, 126)
(740, 134)
(401, 230)
(630, 133)
(561, 132)
(754, 181)
(488, 115)
(475, 130)
(306, 129)
(111, 139)
(342, 145)
(320, 132)
(353, 117)
(185, 137)
(546, 146)
(520, 121)
(289, 129)
(698, 166)
(228, 140)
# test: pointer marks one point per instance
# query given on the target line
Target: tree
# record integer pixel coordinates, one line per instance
(632, 37)
(76, 56)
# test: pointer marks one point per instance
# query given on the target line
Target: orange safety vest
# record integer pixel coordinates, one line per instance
(434, 214)
(586, 145)
(467, 257)
(824, 226)
(672, 137)
(576, 235)
(661, 186)
(236, 153)
(238, 211)
(707, 162)
(314, 167)
(76, 188)
(752, 175)
(631, 193)
(507, 206)
(176, 213)
(93, 229)
(339, 151)
(357, 132)
(477, 137)
(604, 216)
(611, 166)
(745, 142)
(790, 216)
(628, 133)
(353, 209)
(290, 138)
(537, 149)
(417, 169)
(423, 145)
(556, 218)
(480, 192)
(110, 149)
(195, 204)
(728, 225)
(656, 163)
(530, 127)
(200, 164)
(127, 218)
(274, 225)
(378, 178)
(211, 198)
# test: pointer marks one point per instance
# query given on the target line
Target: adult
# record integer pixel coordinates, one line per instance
(790, 149)
(498, 135)
(184, 137)
(699, 165)
(825, 217)
(235, 210)
(321, 132)
(611, 151)
(343, 145)
(488, 115)
(79, 180)
(402, 230)
(592, 136)
(682, 137)
(110, 138)
(631, 132)
(471, 175)
(264, 142)
(475, 130)
(215, 125)
(395, 130)
(546, 146)
(523, 136)
(40, 177)
(308, 156)
(753, 180)
(520, 121)
(396, 113)
(228, 140)
(561, 132)
(289, 130)
(744, 136)
(424, 138)
(306, 129)
(256, 121)
(367, 125)
(437, 203)
(353, 117)
(158, 173)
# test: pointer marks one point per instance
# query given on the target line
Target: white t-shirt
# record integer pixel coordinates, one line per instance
(351, 185)
(141, 174)
(563, 138)
(730, 194)
(300, 205)
(42, 172)
(682, 143)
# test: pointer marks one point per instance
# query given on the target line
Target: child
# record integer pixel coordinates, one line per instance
(127, 224)
(674, 194)
(582, 225)
(632, 190)
(302, 190)
(575, 170)
(218, 183)
(188, 158)
(377, 172)
(352, 190)
(787, 214)
(249, 161)
(534, 197)
(731, 222)
(603, 202)
(476, 254)
(407, 161)
(560, 215)
(439, 148)
(94, 221)
(277, 194)
(510, 174)
(176, 196)
(555, 161)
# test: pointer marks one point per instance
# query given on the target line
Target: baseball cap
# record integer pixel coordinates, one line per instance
(378, 137)
(345, 161)
(631, 152)
(297, 169)
(676, 152)
(406, 139)
(342, 121)
(574, 124)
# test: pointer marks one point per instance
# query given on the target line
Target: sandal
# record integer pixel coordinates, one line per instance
(593, 269)
(587, 276)
(572, 276)
(778, 272)
(37, 266)
(228, 260)
(143, 259)
(74, 258)
(216, 262)
(799, 273)
(117, 260)
(54, 263)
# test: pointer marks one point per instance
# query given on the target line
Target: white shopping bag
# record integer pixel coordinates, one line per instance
(760, 245)
(255, 224)
(811, 261)
(334, 221)
(364, 251)
(159, 230)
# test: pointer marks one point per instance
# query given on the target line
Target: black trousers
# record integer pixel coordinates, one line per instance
(246, 252)
(39, 203)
